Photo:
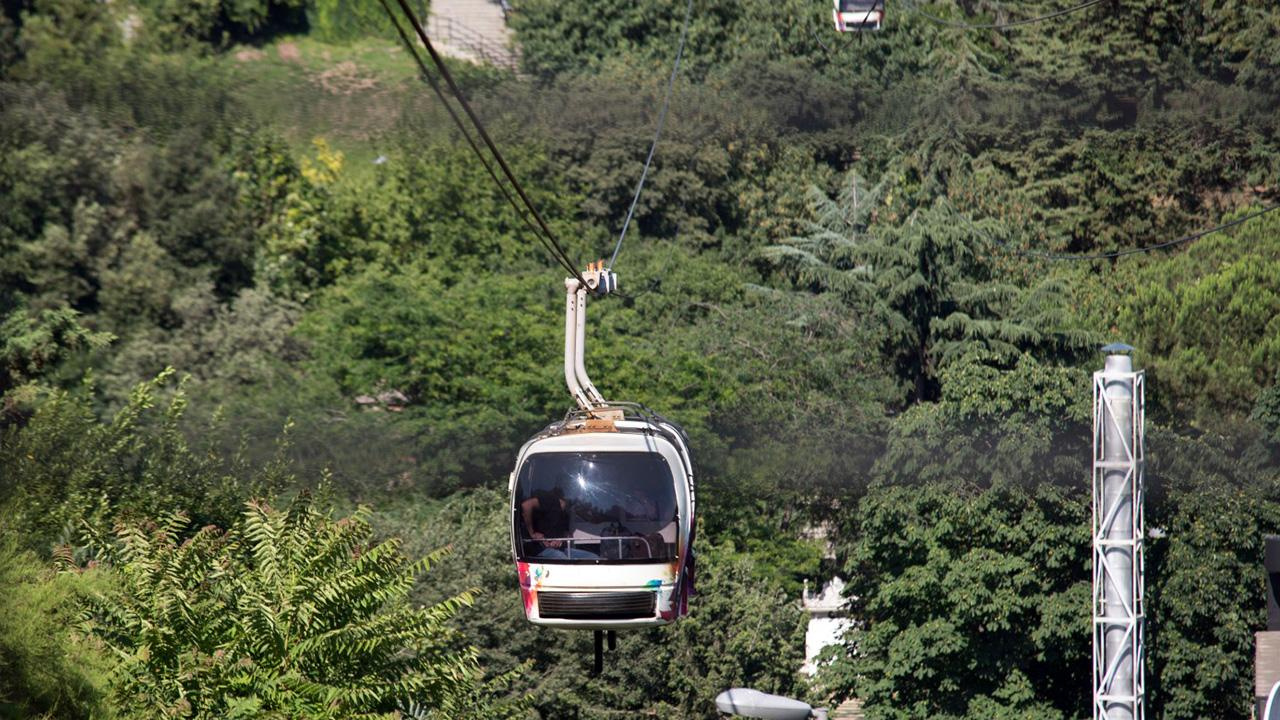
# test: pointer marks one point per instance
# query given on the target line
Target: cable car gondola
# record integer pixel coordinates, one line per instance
(602, 504)
(857, 15)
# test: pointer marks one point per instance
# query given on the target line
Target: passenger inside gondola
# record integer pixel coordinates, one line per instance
(596, 507)
(546, 519)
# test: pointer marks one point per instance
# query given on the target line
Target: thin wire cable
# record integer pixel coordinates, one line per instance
(1148, 248)
(488, 141)
(662, 119)
(819, 40)
(1042, 255)
(1001, 26)
(426, 75)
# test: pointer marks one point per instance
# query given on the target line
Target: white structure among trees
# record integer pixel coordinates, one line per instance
(828, 621)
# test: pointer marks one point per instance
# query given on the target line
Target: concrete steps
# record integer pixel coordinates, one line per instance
(847, 710)
(474, 30)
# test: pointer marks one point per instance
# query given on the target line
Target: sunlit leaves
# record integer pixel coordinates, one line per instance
(289, 613)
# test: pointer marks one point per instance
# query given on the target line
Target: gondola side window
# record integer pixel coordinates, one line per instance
(596, 508)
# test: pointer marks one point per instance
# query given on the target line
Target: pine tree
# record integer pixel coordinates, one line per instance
(926, 282)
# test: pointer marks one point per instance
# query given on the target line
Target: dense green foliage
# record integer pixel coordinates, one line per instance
(1217, 346)
(65, 465)
(926, 285)
(993, 583)
(43, 669)
(240, 249)
(33, 346)
(289, 613)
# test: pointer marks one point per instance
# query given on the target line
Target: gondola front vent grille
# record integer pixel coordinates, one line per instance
(596, 605)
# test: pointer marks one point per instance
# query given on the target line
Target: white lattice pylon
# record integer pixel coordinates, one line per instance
(1118, 487)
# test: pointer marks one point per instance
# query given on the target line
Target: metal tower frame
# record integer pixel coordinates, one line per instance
(1119, 465)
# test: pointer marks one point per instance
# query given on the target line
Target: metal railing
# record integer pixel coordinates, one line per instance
(568, 543)
(453, 33)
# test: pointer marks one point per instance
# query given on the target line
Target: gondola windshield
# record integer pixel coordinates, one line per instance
(860, 6)
(582, 507)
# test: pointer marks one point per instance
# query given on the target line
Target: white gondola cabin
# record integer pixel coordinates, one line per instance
(856, 15)
(602, 505)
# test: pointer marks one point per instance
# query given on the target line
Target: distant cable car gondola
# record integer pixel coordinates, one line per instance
(602, 504)
(855, 15)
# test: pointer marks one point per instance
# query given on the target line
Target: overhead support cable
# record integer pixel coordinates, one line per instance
(867, 16)
(1005, 25)
(657, 133)
(550, 236)
(1147, 248)
(426, 75)
(819, 40)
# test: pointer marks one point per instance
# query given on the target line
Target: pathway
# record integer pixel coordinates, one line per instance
(848, 710)
(474, 30)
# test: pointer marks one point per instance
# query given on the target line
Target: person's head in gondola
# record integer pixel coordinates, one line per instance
(546, 520)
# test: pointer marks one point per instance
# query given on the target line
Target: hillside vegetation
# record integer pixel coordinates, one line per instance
(222, 222)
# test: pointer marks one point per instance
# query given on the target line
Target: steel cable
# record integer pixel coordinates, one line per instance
(426, 75)
(1001, 26)
(662, 119)
(1147, 248)
(1043, 255)
(488, 141)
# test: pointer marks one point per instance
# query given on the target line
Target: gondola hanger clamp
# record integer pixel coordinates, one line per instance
(600, 280)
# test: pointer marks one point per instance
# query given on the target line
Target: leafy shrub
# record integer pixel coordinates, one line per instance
(1266, 412)
(345, 20)
(974, 602)
(65, 465)
(1213, 498)
(33, 345)
(1210, 320)
(290, 613)
(44, 667)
